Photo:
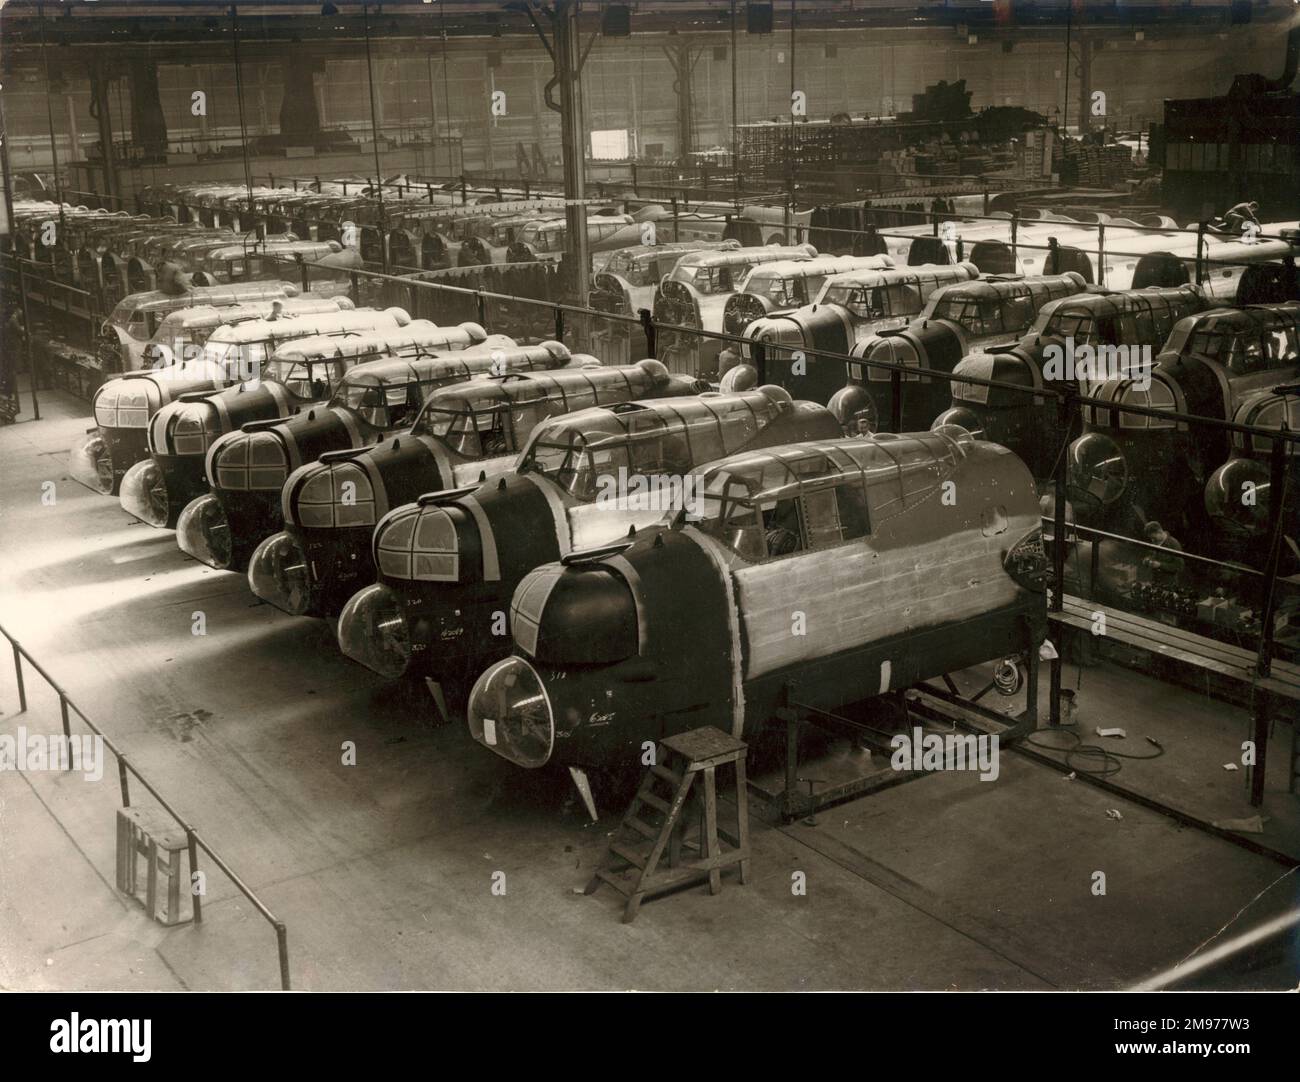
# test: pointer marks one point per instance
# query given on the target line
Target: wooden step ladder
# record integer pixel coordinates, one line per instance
(678, 761)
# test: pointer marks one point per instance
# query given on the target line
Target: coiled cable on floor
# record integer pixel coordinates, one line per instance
(1081, 757)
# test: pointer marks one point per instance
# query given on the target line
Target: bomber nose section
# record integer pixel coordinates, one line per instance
(203, 531)
(776, 331)
(855, 409)
(91, 462)
(373, 631)
(277, 573)
(959, 417)
(144, 494)
(509, 712)
(1097, 472)
(1225, 500)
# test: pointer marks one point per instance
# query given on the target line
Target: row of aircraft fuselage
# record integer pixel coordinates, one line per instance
(591, 556)
(215, 235)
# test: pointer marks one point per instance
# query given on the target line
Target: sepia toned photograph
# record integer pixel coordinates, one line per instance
(671, 496)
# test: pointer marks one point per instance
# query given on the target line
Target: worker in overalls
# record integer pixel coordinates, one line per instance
(1163, 563)
(1052, 264)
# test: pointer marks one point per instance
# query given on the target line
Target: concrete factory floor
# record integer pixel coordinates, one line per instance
(383, 871)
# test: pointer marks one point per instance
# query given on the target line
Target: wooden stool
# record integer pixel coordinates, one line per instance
(698, 752)
(153, 835)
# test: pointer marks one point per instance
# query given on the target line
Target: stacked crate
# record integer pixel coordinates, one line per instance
(1101, 166)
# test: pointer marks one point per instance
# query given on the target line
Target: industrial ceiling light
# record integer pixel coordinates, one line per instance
(758, 18)
(616, 21)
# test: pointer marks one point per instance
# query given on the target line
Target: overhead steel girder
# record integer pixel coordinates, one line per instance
(139, 25)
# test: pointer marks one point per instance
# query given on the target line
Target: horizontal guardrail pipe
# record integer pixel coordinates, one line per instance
(752, 198)
(887, 366)
(1077, 530)
(125, 767)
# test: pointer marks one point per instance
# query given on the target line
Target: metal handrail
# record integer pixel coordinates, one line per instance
(1076, 529)
(1201, 230)
(559, 307)
(752, 197)
(1059, 395)
(43, 278)
(124, 768)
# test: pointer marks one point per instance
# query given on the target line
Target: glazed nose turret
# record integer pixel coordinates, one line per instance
(510, 714)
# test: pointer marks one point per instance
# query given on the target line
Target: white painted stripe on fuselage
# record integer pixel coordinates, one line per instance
(281, 395)
(559, 514)
(223, 412)
(350, 423)
(634, 583)
(487, 538)
(719, 556)
(289, 442)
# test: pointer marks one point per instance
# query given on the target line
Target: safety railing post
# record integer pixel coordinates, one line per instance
(1015, 232)
(18, 674)
(355, 287)
(1200, 252)
(559, 324)
(306, 278)
(196, 899)
(1260, 704)
(758, 355)
(482, 309)
(648, 326)
(282, 942)
(1065, 415)
(895, 400)
(67, 727)
(27, 341)
(123, 782)
(1101, 253)
(1276, 514)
